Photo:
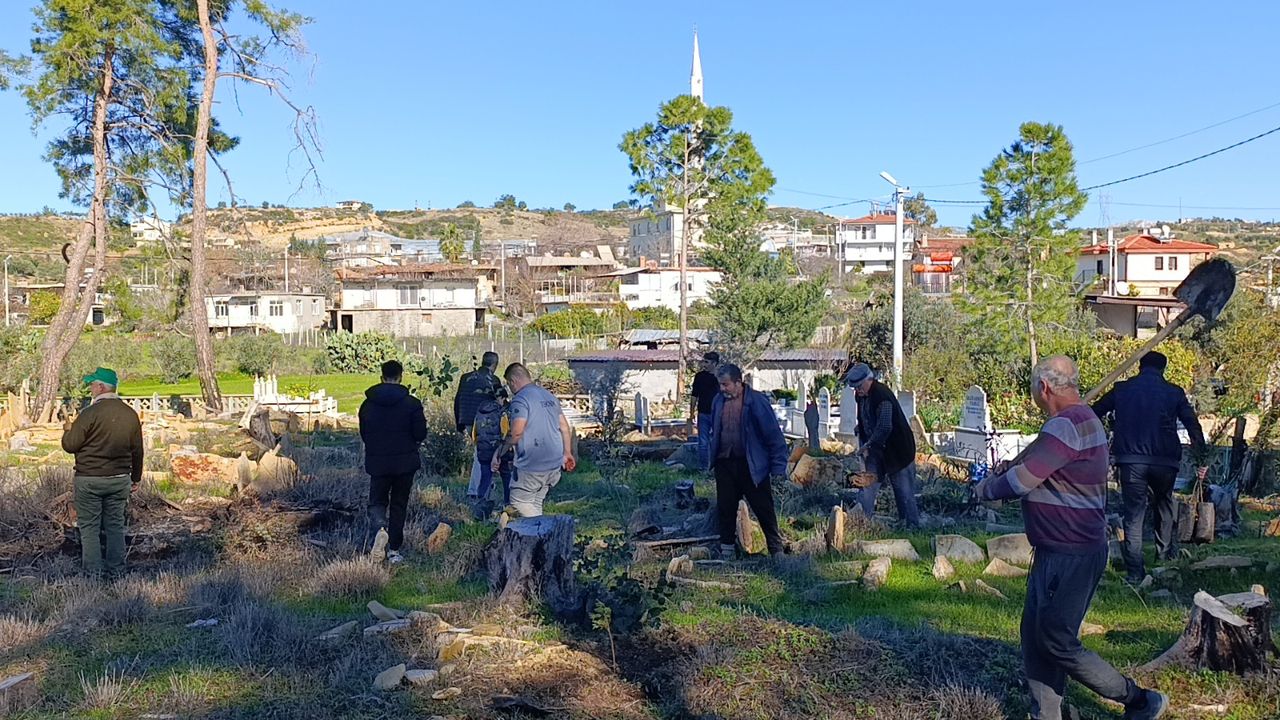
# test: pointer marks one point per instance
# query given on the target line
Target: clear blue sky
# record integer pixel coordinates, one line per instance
(437, 103)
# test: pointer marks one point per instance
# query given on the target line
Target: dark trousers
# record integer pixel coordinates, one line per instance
(1137, 484)
(733, 483)
(102, 508)
(389, 492)
(1059, 591)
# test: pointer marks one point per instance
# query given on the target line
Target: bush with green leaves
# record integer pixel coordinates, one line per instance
(577, 321)
(360, 352)
(616, 601)
(44, 305)
(102, 348)
(20, 348)
(434, 377)
(446, 451)
(254, 354)
(658, 317)
(175, 357)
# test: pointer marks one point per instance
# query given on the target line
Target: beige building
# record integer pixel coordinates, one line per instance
(1148, 264)
(415, 300)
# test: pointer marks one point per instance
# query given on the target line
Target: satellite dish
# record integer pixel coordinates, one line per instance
(1164, 230)
(1122, 288)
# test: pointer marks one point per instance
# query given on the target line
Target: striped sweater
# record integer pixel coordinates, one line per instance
(1062, 483)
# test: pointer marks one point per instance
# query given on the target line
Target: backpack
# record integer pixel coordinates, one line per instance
(490, 424)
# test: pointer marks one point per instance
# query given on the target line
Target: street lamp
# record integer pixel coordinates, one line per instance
(7, 258)
(898, 193)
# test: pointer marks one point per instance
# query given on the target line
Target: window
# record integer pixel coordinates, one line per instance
(253, 309)
(275, 308)
(1159, 262)
(297, 307)
(1173, 263)
(1164, 291)
(1099, 267)
(221, 309)
(315, 306)
(408, 296)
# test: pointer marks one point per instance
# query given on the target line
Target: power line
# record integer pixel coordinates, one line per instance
(1193, 207)
(1179, 137)
(814, 194)
(1197, 158)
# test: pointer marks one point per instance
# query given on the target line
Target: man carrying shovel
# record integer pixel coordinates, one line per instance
(1062, 480)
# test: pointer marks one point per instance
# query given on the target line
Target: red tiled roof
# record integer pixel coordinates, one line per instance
(1139, 244)
(953, 245)
(880, 219)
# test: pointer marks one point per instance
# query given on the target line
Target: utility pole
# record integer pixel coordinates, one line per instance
(898, 193)
(286, 268)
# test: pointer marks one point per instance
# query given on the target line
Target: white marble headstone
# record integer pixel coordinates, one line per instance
(824, 412)
(848, 411)
(976, 415)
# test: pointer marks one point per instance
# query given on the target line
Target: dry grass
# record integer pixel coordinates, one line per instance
(18, 631)
(109, 691)
(355, 578)
(256, 634)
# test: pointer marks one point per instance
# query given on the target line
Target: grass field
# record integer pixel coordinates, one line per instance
(348, 389)
(766, 648)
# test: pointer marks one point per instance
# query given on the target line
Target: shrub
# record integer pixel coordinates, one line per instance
(445, 452)
(355, 578)
(576, 322)
(255, 354)
(20, 348)
(175, 357)
(659, 317)
(121, 353)
(44, 305)
(360, 353)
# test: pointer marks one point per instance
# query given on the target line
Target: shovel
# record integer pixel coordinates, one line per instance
(1205, 291)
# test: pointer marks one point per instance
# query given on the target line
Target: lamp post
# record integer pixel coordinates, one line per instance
(898, 193)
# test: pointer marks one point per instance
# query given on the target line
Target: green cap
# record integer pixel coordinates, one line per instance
(102, 375)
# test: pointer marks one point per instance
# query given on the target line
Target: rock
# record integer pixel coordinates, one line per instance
(464, 643)
(1013, 549)
(421, 678)
(390, 678)
(1272, 529)
(1162, 595)
(822, 593)
(384, 613)
(1088, 628)
(1000, 568)
(746, 528)
(21, 442)
(203, 468)
(959, 586)
(428, 620)
(275, 472)
(1164, 572)
(942, 569)
(17, 693)
(378, 552)
(487, 630)
(1223, 562)
(447, 694)
(387, 627)
(958, 548)
(680, 565)
(985, 589)
(834, 536)
(895, 549)
(877, 573)
(699, 552)
(204, 623)
(447, 670)
(339, 632)
(815, 471)
(1258, 590)
(1147, 582)
(438, 538)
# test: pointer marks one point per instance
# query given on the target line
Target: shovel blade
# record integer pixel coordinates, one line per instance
(1208, 287)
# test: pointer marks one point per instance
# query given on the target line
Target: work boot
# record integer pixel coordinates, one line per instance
(379, 551)
(1149, 706)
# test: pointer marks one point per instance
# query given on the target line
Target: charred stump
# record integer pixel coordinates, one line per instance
(533, 558)
(1229, 633)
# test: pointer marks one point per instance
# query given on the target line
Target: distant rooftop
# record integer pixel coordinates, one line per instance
(878, 219)
(1149, 244)
(798, 355)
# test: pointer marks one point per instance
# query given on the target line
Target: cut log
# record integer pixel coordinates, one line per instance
(835, 530)
(1186, 523)
(746, 528)
(1230, 633)
(1205, 522)
(533, 558)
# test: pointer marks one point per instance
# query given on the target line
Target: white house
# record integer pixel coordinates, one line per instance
(653, 286)
(146, 230)
(350, 204)
(1151, 263)
(865, 244)
(658, 236)
(415, 300)
(254, 311)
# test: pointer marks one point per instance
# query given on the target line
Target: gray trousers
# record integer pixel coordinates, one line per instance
(102, 509)
(1059, 591)
(903, 483)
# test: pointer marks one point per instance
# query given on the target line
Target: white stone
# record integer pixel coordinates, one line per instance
(958, 548)
(897, 549)
(421, 678)
(390, 678)
(1014, 549)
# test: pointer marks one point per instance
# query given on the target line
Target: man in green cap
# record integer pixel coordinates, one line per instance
(106, 439)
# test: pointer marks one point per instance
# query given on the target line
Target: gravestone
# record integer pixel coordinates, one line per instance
(907, 400)
(976, 415)
(642, 412)
(848, 411)
(824, 413)
(811, 426)
(796, 416)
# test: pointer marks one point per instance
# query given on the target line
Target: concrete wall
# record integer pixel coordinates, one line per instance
(295, 312)
(662, 288)
(432, 294)
(656, 381)
(412, 323)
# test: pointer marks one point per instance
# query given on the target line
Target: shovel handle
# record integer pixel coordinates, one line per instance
(1155, 340)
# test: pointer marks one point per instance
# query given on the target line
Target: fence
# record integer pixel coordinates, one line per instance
(513, 344)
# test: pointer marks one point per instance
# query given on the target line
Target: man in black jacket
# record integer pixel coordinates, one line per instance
(474, 388)
(1146, 410)
(392, 426)
(107, 441)
(887, 444)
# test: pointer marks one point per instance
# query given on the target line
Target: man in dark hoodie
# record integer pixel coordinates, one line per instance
(474, 388)
(392, 426)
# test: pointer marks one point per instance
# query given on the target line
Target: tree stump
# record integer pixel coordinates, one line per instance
(1230, 633)
(835, 530)
(533, 558)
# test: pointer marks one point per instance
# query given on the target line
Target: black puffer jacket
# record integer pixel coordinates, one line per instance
(1146, 411)
(392, 426)
(473, 389)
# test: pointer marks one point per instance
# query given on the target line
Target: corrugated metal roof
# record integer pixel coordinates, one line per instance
(644, 335)
(536, 261)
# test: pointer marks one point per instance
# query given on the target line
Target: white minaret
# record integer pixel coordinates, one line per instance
(695, 78)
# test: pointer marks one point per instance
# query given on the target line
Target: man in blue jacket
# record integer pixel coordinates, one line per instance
(1146, 410)
(747, 451)
(392, 426)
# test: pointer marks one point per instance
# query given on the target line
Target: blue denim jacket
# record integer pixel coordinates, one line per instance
(762, 437)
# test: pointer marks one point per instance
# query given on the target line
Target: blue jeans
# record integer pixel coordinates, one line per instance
(903, 483)
(704, 440)
(486, 481)
(1059, 591)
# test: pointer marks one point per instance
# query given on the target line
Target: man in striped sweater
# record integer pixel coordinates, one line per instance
(1063, 485)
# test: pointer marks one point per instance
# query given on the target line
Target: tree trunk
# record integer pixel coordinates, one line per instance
(1031, 321)
(1230, 633)
(76, 302)
(533, 558)
(200, 219)
(685, 226)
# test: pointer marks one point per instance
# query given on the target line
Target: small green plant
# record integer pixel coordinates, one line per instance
(360, 353)
(788, 394)
(256, 354)
(435, 378)
(301, 389)
(602, 619)
(603, 568)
